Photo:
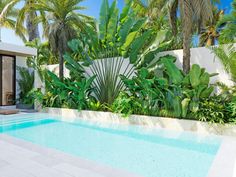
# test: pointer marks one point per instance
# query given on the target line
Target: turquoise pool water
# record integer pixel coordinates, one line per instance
(146, 152)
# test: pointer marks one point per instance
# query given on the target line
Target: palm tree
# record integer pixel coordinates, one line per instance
(191, 12)
(64, 24)
(227, 52)
(29, 16)
(228, 34)
(210, 34)
(154, 10)
(7, 15)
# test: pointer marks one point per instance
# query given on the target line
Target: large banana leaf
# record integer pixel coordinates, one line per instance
(137, 45)
(104, 17)
(112, 23)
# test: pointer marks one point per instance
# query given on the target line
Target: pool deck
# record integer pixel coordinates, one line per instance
(19, 158)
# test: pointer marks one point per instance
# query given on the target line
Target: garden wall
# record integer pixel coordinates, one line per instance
(178, 125)
(202, 56)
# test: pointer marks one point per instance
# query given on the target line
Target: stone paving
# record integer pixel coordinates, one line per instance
(20, 158)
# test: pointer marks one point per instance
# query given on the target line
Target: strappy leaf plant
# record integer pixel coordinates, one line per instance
(107, 83)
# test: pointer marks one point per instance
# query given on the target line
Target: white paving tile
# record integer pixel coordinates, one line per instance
(27, 159)
(13, 171)
(47, 161)
(3, 163)
(76, 171)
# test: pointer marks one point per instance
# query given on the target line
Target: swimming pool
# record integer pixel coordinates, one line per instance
(146, 152)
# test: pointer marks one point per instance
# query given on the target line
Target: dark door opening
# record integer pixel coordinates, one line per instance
(7, 80)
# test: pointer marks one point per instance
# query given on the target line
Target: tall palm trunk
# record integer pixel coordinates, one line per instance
(32, 27)
(186, 53)
(186, 17)
(61, 65)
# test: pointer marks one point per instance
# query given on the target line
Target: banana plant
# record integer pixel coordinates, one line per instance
(122, 33)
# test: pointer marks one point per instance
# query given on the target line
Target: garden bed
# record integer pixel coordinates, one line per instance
(159, 122)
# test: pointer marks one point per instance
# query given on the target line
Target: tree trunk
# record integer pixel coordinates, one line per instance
(186, 53)
(32, 27)
(173, 17)
(61, 65)
(187, 20)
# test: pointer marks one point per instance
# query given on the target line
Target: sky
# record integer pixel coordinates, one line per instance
(93, 9)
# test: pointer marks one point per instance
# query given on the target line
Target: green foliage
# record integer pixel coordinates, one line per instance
(196, 86)
(212, 110)
(107, 84)
(126, 105)
(227, 53)
(228, 34)
(231, 108)
(26, 84)
(123, 35)
(148, 91)
(69, 93)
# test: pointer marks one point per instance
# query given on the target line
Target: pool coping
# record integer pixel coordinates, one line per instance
(224, 163)
(149, 121)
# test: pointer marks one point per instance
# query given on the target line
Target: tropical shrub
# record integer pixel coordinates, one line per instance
(67, 94)
(107, 84)
(148, 90)
(164, 90)
(126, 105)
(26, 84)
(212, 110)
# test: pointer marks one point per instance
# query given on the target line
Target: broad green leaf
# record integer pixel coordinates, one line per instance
(103, 20)
(207, 92)
(137, 45)
(194, 75)
(171, 69)
(185, 104)
(112, 23)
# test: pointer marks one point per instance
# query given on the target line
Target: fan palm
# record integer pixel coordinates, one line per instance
(7, 14)
(191, 12)
(63, 17)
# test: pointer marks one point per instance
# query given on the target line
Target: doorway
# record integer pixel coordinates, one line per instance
(7, 80)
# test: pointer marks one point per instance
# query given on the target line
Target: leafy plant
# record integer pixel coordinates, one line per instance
(26, 84)
(121, 34)
(148, 90)
(126, 105)
(196, 86)
(227, 53)
(107, 84)
(69, 93)
(212, 110)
